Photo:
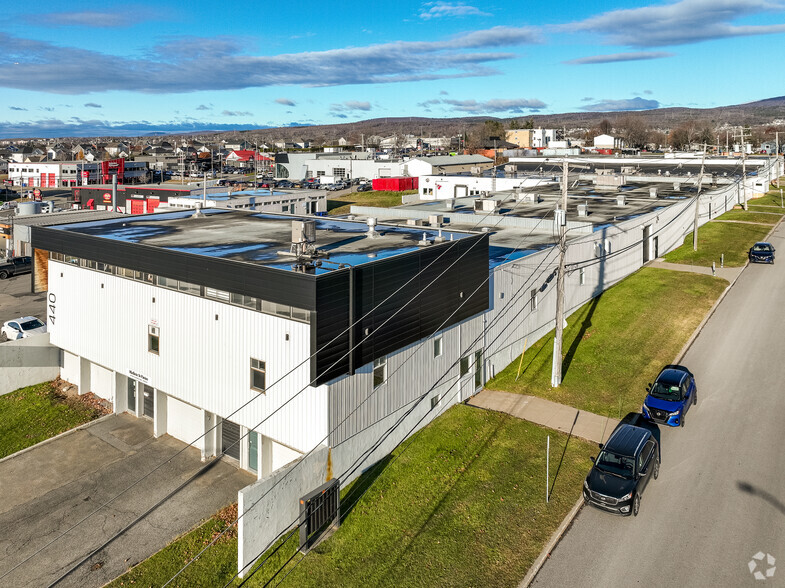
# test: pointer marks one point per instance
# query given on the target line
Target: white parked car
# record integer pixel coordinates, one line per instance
(22, 327)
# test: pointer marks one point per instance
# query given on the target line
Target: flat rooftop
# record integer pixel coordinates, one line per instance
(518, 227)
(261, 238)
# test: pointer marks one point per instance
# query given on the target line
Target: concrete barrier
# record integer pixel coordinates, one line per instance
(29, 361)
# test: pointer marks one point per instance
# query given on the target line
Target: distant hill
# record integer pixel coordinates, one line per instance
(759, 113)
(768, 112)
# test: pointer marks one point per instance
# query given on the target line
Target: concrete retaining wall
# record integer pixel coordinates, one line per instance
(271, 505)
(29, 361)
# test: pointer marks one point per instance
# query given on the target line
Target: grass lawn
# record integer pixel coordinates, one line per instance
(383, 198)
(463, 505)
(761, 216)
(771, 201)
(714, 239)
(617, 343)
(31, 415)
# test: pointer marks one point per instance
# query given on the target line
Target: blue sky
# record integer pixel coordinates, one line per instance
(127, 68)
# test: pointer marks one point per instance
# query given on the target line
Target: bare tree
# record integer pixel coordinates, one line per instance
(633, 130)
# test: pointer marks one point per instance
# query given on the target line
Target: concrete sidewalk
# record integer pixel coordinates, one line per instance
(549, 414)
(727, 273)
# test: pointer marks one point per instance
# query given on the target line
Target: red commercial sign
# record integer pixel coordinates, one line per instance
(107, 197)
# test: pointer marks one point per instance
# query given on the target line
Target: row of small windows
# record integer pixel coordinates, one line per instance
(280, 310)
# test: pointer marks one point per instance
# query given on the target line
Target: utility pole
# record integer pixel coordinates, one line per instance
(556, 374)
(698, 203)
(743, 169)
(777, 154)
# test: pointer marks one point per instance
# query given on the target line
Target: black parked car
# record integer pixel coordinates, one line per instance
(762, 252)
(364, 188)
(15, 266)
(621, 471)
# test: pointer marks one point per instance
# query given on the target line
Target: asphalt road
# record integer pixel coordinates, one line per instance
(720, 496)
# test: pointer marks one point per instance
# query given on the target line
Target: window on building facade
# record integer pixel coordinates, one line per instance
(437, 346)
(153, 339)
(379, 371)
(534, 299)
(465, 362)
(258, 374)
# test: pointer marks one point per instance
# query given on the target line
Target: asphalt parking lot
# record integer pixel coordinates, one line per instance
(53, 486)
(16, 299)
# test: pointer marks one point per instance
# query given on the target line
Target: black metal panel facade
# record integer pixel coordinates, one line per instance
(270, 284)
(394, 302)
(398, 301)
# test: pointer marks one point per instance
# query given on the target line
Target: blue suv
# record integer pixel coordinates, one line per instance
(671, 396)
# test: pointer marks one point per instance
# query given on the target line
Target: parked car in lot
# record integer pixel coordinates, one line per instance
(671, 396)
(761, 252)
(22, 327)
(15, 266)
(364, 188)
(622, 470)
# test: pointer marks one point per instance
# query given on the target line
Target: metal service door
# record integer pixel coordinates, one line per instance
(148, 401)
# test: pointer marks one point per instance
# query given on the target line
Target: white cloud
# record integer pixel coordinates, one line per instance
(193, 64)
(285, 101)
(621, 105)
(350, 106)
(680, 23)
(616, 57)
(515, 105)
(447, 9)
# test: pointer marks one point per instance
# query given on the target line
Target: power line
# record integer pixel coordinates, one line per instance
(408, 439)
(507, 308)
(361, 458)
(132, 485)
(280, 379)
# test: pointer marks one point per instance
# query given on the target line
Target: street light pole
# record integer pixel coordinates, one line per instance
(556, 373)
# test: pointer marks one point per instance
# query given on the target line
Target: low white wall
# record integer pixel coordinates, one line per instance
(271, 505)
(29, 361)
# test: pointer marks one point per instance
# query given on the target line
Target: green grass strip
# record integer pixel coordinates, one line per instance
(36, 413)
(615, 344)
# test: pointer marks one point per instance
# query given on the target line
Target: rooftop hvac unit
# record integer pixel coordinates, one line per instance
(620, 200)
(653, 192)
(414, 222)
(485, 205)
(304, 231)
(435, 220)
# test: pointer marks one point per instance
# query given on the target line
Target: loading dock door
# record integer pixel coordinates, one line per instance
(137, 206)
(149, 401)
(461, 191)
(230, 439)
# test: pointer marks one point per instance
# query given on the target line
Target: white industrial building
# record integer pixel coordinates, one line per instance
(229, 326)
(63, 174)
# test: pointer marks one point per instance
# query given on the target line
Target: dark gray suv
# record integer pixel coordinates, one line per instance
(15, 266)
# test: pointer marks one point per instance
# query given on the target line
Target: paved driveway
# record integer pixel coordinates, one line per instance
(16, 299)
(54, 485)
(720, 496)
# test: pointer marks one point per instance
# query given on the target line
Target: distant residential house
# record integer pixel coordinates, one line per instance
(245, 158)
(114, 149)
(607, 142)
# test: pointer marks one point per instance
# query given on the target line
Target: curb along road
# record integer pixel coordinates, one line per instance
(568, 520)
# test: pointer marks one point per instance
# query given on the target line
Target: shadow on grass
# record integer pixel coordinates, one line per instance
(579, 337)
(365, 481)
(447, 491)
(564, 451)
(333, 204)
